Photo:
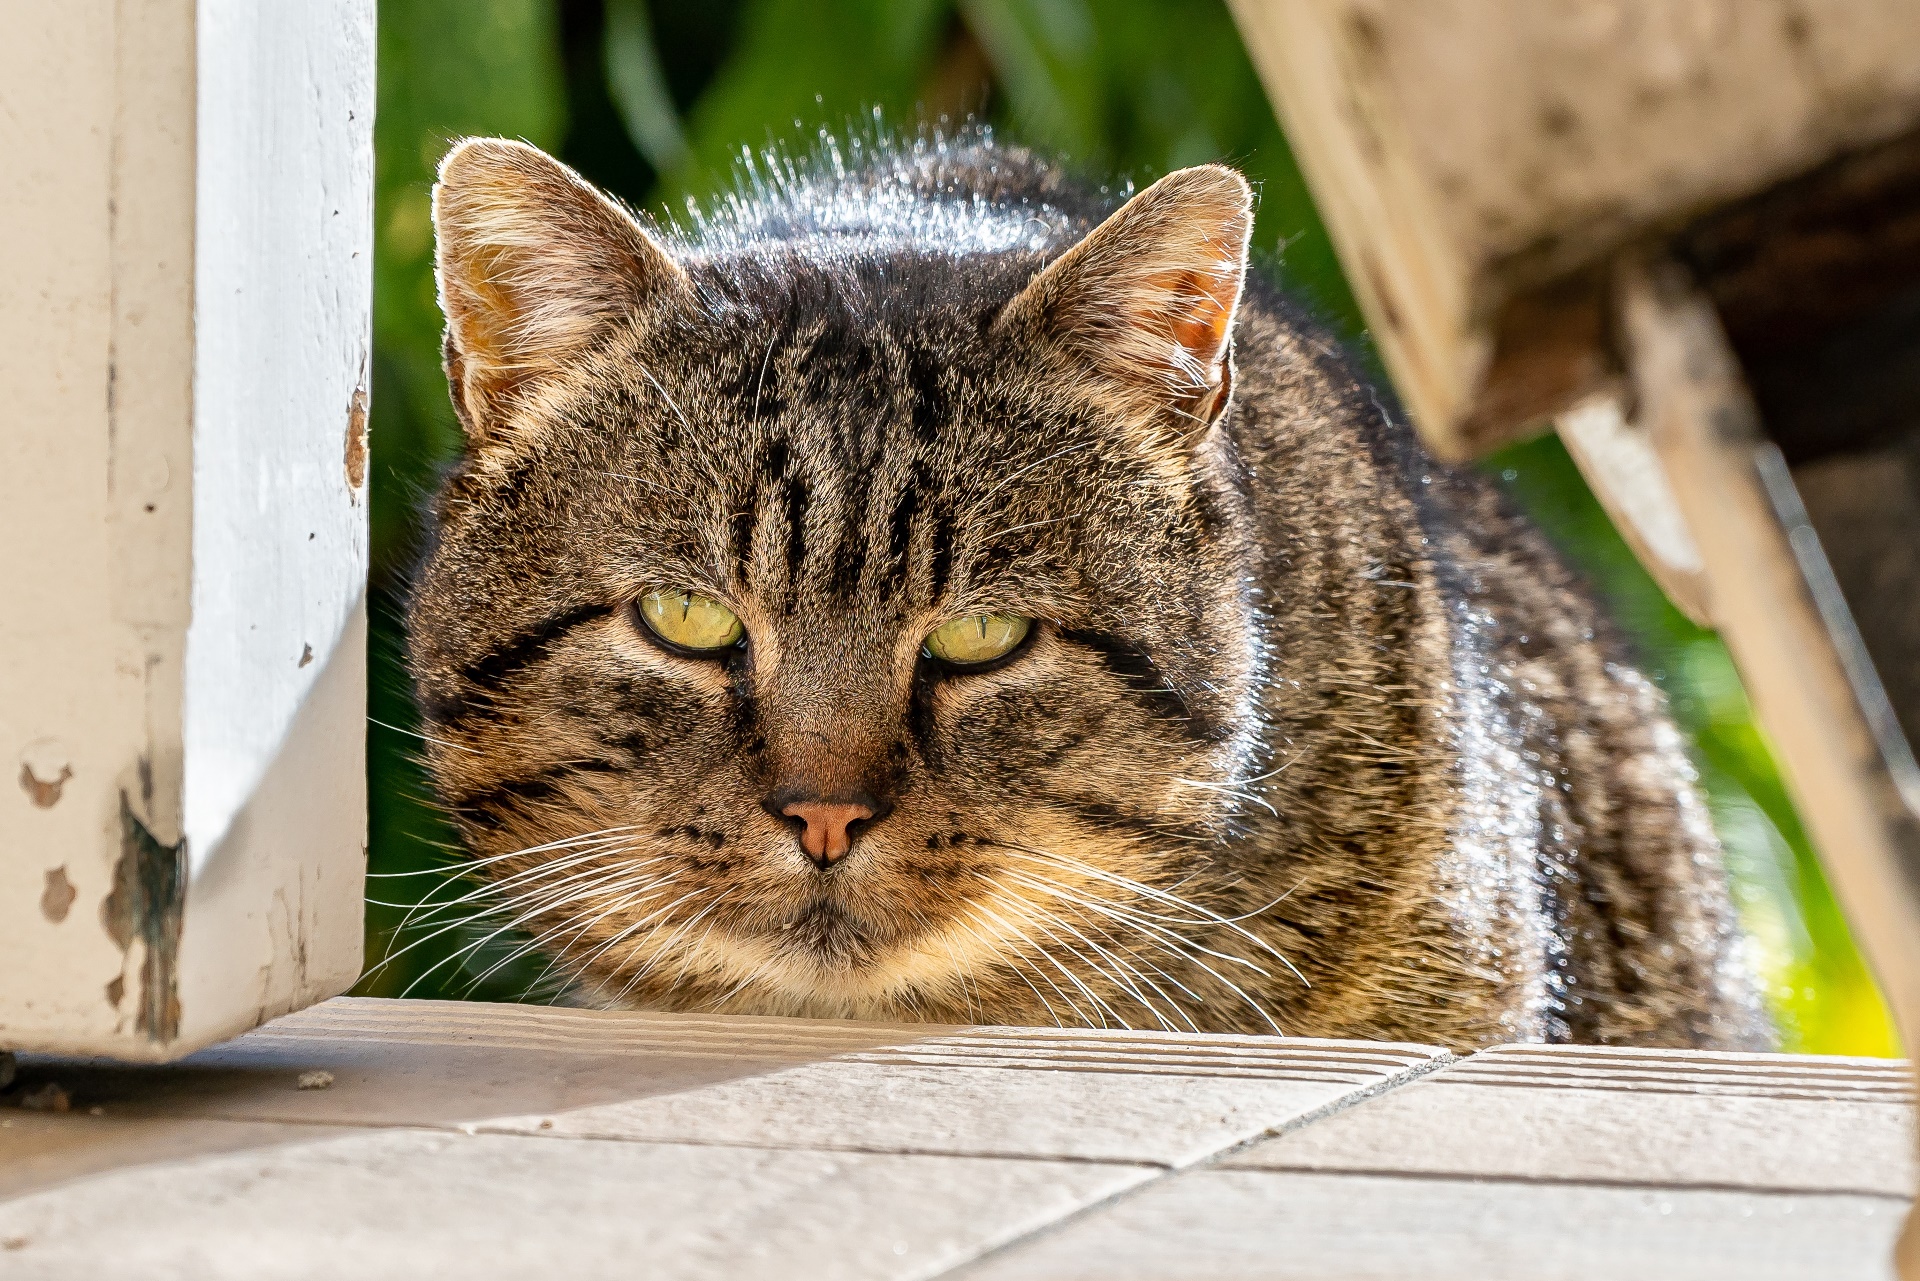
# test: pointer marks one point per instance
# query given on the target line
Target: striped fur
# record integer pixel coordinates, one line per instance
(1314, 734)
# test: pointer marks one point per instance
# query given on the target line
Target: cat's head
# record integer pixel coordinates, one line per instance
(837, 621)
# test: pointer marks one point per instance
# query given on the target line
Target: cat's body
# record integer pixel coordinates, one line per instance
(1301, 732)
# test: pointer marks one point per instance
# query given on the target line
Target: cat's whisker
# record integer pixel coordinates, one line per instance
(1183, 951)
(1118, 971)
(529, 946)
(533, 895)
(1193, 914)
(545, 880)
(1194, 946)
(640, 894)
(425, 738)
(561, 871)
(1012, 960)
(1004, 931)
(1188, 946)
(632, 898)
(1161, 939)
(719, 1004)
(1055, 961)
(1122, 971)
(1206, 914)
(573, 851)
(659, 916)
(688, 953)
(666, 947)
(1052, 957)
(969, 989)
(1158, 938)
(546, 847)
(627, 931)
(460, 870)
(507, 885)
(537, 908)
(1231, 986)
(969, 986)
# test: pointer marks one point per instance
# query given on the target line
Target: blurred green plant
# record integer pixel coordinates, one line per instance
(659, 102)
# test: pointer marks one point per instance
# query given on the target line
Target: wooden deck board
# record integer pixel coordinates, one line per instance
(492, 1140)
(1647, 1118)
(406, 1203)
(1224, 1225)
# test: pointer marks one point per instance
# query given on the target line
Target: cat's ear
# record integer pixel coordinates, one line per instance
(1148, 297)
(533, 264)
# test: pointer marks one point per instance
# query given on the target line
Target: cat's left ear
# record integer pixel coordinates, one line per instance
(534, 265)
(1148, 298)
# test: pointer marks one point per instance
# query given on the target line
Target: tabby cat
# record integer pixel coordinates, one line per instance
(928, 589)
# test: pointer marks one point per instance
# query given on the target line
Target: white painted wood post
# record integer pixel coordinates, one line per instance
(185, 293)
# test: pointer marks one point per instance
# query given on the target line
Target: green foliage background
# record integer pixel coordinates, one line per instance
(656, 101)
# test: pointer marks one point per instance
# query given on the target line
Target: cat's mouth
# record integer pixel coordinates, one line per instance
(832, 935)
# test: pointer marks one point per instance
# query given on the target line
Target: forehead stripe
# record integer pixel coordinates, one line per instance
(796, 504)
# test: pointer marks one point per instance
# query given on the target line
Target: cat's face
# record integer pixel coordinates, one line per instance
(862, 633)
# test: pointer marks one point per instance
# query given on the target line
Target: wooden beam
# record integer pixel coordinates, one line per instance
(1478, 162)
(187, 251)
(1777, 605)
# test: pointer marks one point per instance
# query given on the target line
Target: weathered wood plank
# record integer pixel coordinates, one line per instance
(1475, 160)
(452, 1132)
(1636, 1117)
(1537, 1162)
(1005, 1094)
(1150, 1098)
(1223, 1225)
(1620, 464)
(409, 1204)
(187, 254)
(502, 1140)
(1852, 773)
(40, 1151)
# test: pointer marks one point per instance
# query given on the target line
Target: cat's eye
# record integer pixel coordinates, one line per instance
(977, 638)
(690, 621)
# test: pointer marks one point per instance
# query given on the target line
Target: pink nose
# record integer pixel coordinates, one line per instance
(825, 837)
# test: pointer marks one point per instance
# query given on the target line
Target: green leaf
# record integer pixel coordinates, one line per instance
(802, 66)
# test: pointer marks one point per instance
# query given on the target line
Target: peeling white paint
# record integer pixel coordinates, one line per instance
(187, 250)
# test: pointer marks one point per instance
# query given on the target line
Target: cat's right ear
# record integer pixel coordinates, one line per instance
(534, 264)
(1147, 300)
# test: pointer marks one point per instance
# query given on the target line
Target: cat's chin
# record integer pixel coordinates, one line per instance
(822, 962)
(824, 934)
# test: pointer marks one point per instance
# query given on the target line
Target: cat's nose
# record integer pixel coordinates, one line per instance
(827, 828)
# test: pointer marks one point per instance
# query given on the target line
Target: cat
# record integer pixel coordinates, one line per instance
(928, 589)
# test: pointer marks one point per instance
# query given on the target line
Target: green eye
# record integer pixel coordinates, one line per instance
(977, 638)
(688, 620)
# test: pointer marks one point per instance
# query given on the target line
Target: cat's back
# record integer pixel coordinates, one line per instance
(1474, 733)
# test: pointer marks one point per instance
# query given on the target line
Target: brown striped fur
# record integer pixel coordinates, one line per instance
(1314, 735)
